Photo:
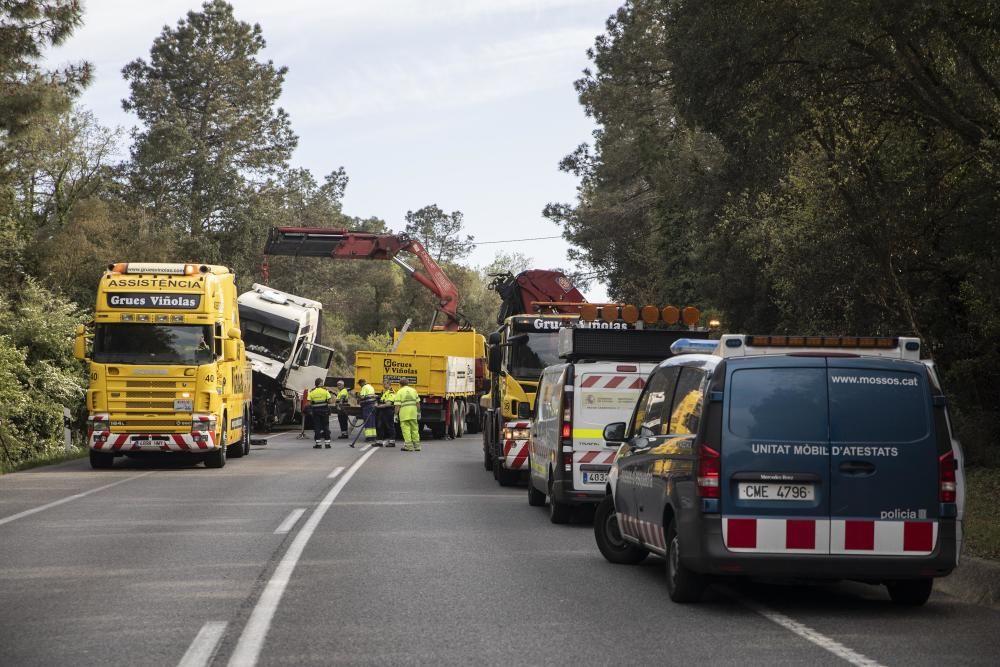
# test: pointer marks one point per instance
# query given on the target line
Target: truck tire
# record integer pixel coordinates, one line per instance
(505, 476)
(247, 431)
(217, 458)
(101, 461)
(608, 536)
(473, 419)
(683, 585)
(487, 459)
(438, 429)
(460, 422)
(910, 592)
(237, 447)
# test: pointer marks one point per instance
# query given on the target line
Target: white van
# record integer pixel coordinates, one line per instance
(604, 373)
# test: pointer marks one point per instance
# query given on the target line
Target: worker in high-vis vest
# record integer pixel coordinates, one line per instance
(367, 399)
(385, 411)
(408, 401)
(343, 399)
(319, 407)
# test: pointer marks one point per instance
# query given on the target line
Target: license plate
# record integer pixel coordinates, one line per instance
(146, 442)
(771, 491)
(595, 477)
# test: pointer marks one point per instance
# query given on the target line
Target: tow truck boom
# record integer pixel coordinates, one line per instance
(348, 244)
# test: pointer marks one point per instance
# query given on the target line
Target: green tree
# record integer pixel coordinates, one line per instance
(439, 232)
(211, 127)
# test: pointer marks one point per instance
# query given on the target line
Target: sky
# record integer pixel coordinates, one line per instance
(467, 104)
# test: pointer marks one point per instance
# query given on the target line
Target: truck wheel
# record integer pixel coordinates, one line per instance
(614, 547)
(505, 476)
(460, 422)
(683, 585)
(217, 458)
(101, 461)
(247, 431)
(237, 447)
(911, 592)
(487, 459)
(535, 497)
(438, 430)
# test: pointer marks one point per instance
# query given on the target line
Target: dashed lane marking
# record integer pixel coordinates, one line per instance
(336, 471)
(251, 641)
(289, 521)
(203, 647)
(817, 638)
(77, 496)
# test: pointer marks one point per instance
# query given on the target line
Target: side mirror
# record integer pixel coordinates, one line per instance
(234, 333)
(494, 360)
(523, 410)
(231, 349)
(614, 433)
(80, 343)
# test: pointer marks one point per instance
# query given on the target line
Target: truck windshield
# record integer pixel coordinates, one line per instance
(273, 340)
(187, 344)
(532, 354)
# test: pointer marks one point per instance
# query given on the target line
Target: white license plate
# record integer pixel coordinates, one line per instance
(595, 477)
(149, 443)
(772, 491)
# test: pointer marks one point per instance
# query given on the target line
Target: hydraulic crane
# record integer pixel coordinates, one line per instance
(348, 244)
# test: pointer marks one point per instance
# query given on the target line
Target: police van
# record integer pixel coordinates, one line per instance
(805, 457)
(604, 373)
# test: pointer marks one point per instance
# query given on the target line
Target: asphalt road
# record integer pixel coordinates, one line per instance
(397, 559)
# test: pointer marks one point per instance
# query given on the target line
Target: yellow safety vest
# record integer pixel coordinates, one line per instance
(319, 395)
(407, 399)
(388, 396)
(343, 396)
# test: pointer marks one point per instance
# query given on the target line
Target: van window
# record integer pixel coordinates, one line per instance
(654, 402)
(779, 404)
(549, 394)
(877, 406)
(686, 410)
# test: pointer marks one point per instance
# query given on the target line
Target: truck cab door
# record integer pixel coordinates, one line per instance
(312, 361)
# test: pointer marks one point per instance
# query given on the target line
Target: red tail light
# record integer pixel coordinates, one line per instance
(709, 466)
(946, 477)
(567, 424)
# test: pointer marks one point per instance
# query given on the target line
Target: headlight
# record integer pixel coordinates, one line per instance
(516, 433)
(183, 405)
(203, 424)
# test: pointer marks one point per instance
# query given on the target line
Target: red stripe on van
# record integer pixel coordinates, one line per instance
(588, 457)
(800, 534)
(590, 381)
(918, 536)
(614, 382)
(742, 533)
(638, 384)
(859, 535)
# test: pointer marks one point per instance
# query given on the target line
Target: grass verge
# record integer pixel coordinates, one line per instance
(43, 460)
(982, 523)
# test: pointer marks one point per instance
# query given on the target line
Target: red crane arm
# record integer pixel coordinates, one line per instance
(347, 244)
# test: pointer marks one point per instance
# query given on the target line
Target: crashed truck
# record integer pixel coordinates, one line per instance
(282, 333)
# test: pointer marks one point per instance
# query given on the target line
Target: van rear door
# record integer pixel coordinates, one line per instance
(884, 459)
(605, 392)
(775, 474)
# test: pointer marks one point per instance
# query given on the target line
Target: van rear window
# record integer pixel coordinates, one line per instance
(779, 404)
(877, 406)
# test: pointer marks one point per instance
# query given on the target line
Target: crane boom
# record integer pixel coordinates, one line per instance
(348, 244)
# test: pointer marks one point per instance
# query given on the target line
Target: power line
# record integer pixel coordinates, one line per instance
(536, 238)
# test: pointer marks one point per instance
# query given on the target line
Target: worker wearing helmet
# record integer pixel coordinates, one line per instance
(319, 405)
(408, 401)
(367, 398)
(385, 410)
(343, 398)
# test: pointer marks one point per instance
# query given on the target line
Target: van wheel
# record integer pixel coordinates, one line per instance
(558, 512)
(101, 461)
(910, 593)
(609, 538)
(535, 497)
(683, 585)
(217, 458)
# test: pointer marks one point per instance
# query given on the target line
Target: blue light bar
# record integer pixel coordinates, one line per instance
(694, 346)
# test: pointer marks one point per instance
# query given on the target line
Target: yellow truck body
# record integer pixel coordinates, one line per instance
(168, 367)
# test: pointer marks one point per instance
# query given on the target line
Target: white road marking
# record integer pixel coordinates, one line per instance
(289, 521)
(821, 640)
(251, 641)
(336, 471)
(203, 647)
(55, 503)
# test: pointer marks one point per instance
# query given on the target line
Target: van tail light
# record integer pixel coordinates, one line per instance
(709, 465)
(946, 477)
(566, 431)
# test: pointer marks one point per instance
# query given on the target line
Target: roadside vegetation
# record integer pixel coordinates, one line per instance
(982, 528)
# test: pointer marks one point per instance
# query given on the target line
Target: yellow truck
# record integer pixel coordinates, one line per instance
(168, 366)
(445, 367)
